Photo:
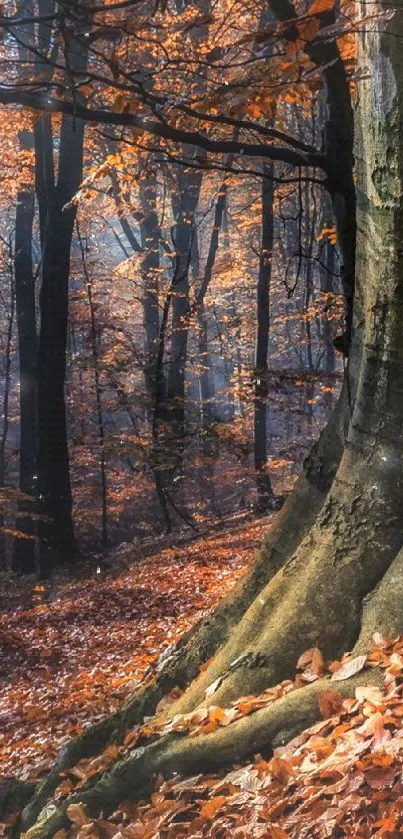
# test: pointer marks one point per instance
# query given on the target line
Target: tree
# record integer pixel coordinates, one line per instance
(24, 549)
(264, 487)
(330, 570)
(9, 307)
(56, 218)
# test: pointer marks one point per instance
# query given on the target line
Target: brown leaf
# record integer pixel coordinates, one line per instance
(379, 777)
(35, 713)
(167, 700)
(211, 807)
(349, 668)
(369, 692)
(106, 827)
(305, 658)
(330, 703)
(280, 769)
(276, 832)
(88, 831)
(77, 813)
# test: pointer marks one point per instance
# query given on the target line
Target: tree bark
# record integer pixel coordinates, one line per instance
(189, 185)
(150, 233)
(54, 489)
(24, 549)
(6, 395)
(57, 217)
(263, 482)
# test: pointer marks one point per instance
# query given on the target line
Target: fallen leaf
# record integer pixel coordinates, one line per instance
(379, 777)
(349, 668)
(213, 687)
(77, 813)
(330, 703)
(211, 807)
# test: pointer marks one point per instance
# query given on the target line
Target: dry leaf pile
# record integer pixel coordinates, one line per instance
(342, 777)
(69, 658)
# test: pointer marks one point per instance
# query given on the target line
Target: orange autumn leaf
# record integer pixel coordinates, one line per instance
(280, 769)
(77, 813)
(330, 703)
(317, 7)
(211, 807)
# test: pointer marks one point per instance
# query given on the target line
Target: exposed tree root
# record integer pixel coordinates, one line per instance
(268, 727)
(316, 597)
(383, 607)
(200, 643)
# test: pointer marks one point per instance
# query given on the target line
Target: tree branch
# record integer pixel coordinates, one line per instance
(44, 102)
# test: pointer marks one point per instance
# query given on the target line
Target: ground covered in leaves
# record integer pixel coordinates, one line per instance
(341, 778)
(74, 651)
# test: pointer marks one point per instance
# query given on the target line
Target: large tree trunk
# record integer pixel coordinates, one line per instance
(57, 216)
(57, 535)
(331, 570)
(198, 645)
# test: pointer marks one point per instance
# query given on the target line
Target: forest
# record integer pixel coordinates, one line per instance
(201, 419)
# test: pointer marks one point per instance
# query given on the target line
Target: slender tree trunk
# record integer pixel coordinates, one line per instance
(207, 389)
(327, 288)
(57, 217)
(6, 397)
(189, 185)
(209, 445)
(98, 397)
(24, 549)
(310, 223)
(150, 234)
(263, 482)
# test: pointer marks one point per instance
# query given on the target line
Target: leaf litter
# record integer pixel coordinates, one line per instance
(342, 777)
(70, 656)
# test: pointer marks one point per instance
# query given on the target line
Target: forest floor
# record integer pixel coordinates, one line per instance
(77, 649)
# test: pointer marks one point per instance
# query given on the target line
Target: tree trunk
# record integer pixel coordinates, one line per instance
(263, 482)
(24, 549)
(206, 379)
(8, 343)
(95, 351)
(189, 185)
(57, 534)
(23, 559)
(327, 287)
(150, 233)
(57, 217)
